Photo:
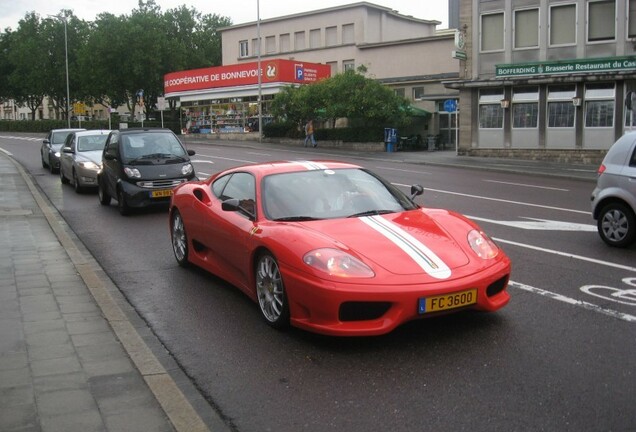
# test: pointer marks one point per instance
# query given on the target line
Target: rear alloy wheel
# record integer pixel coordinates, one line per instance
(76, 183)
(123, 207)
(179, 239)
(104, 197)
(617, 225)
(270, 291)
(63, 178)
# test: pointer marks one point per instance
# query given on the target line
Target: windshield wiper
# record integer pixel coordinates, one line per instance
(296, 219)
(371, 213)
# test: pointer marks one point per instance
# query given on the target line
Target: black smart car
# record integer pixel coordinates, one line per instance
(141, 166)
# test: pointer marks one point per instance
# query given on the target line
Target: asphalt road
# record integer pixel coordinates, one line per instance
(560, 356)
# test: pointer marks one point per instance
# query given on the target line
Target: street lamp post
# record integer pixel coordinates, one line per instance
(68, 93)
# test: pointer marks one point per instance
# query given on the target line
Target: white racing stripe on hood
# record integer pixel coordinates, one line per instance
(311, 166)
(423, 256)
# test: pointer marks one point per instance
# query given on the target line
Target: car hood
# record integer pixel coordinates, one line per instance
(402, 243)
(94, 156)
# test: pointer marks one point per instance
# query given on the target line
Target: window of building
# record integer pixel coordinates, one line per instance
(631, 16)
(526, 28)
(284, 42)
(400, 92)
(418, 93)
(492, 32)
(243, 51)
(256, 47)
(601, 20)
(270, 44)
(599, 105)
(331, 36)
(314, 38)
(563, 24)
(299, 40)
(525, 107)
(490, 110)
(348, 65)
(348, 36)
(561, 110)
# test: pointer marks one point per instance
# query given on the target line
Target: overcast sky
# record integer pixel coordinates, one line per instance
(239, 11)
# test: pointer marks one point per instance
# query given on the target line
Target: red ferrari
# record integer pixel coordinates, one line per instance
(332, 248)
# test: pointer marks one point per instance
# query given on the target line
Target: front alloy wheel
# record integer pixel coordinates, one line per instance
(617, 225)
(270, 291)
(179, 239)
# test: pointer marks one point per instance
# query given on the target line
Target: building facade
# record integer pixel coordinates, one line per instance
(546, 78)
(408, 54)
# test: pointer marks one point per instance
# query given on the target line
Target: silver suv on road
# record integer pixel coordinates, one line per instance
(614, 198)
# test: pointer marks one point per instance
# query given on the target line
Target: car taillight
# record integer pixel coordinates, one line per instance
(601, 169)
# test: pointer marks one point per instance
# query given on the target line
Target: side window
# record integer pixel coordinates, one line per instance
(241, 186)
(111, 148)
(632, 161)
(219, 185)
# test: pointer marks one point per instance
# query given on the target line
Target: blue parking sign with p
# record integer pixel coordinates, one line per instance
(300, 73)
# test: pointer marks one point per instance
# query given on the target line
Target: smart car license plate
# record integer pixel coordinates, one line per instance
(161, 193)
(447, 301)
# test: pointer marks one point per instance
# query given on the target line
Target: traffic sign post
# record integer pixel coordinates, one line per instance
(450, 106)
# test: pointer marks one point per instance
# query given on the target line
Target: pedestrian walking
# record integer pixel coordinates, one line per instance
(309, 134)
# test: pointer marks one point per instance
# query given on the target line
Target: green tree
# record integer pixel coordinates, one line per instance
(59, 46)
(351, 95)
(27, 54)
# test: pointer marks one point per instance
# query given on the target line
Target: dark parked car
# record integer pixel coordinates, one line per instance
(140, 167)
(52, 147)
(614, 198)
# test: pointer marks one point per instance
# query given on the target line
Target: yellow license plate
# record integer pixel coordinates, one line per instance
(161, 193)
(447, 301)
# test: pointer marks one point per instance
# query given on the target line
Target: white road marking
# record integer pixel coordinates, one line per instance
(574, 302)
(201, 161)
(500, 200)
(528, 185)
(228, 159)
(258, 154)
(568, 255)
(540, 224)
(403, 170)
(8, 153)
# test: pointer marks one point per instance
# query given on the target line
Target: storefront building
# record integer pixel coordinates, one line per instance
(546, 79)
(405, 53)
(224, 99)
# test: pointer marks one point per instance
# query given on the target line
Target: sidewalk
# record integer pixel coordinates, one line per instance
(447, 158)
(74, 356)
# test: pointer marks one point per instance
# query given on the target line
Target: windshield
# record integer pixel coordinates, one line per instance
(91, 143)
(148, 147)
(329, 194)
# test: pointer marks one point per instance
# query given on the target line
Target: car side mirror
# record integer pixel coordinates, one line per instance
(46, 141)
(109, 156)
(67, 150)
(191, 152)
(234, 204)
(416, 190)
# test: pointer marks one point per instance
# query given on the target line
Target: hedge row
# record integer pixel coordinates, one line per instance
(44, 126)
(351, 134)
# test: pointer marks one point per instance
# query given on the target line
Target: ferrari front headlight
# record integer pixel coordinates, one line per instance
(481, 244)
(335, 262)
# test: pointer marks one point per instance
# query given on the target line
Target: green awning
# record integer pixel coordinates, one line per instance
(419, 112)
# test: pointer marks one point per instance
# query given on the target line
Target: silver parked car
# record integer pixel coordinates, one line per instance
(81, 158)
(614, 198)
(52, 148)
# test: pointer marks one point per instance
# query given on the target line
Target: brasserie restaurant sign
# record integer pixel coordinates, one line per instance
(613, 64)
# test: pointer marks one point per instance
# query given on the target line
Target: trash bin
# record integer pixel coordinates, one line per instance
(390, 139)
(431, 142)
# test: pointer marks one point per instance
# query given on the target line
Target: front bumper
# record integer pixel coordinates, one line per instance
(317, 305)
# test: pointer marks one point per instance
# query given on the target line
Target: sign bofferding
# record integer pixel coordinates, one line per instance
(278, 70)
